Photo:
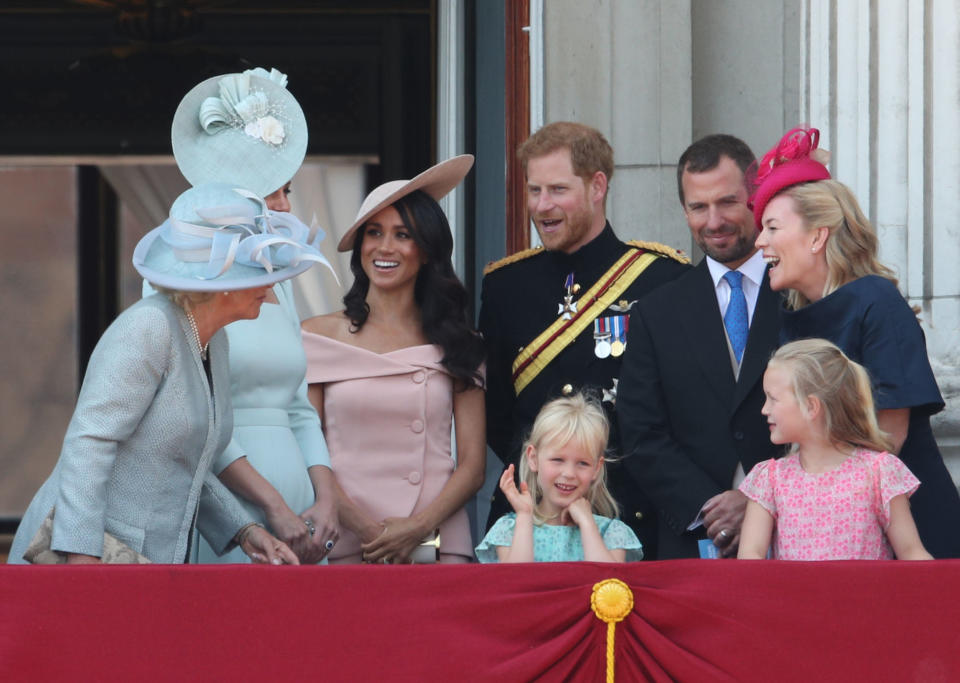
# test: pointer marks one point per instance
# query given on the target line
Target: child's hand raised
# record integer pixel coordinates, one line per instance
(579, 512)
(520, 500)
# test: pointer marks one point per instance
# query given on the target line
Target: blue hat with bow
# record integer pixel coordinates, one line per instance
(220, 237)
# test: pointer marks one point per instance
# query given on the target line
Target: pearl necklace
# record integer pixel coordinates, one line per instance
(196, 336)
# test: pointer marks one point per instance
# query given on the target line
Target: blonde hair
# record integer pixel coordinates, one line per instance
(851, 250)
(564, 419)
(819, 368)
(185, 300)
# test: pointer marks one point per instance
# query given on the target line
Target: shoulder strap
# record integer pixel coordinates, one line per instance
(675, 254)
(512, 258)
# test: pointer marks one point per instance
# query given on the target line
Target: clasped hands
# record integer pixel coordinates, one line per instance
(308, 534)
(393, 540)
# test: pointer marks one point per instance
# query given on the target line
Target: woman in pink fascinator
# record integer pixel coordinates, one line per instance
(822, 250)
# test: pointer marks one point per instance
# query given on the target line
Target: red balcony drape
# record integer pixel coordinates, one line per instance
(691, 621)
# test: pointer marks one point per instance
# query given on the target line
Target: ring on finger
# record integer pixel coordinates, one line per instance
(310, 527)
(723, 533)
(329, 545)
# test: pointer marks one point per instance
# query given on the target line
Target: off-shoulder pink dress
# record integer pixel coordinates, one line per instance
(387, 419)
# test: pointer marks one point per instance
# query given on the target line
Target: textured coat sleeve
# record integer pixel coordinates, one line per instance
(220, 515)
(124, 372)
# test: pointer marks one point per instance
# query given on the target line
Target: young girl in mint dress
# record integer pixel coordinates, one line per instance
(562, 511)
(839, 495)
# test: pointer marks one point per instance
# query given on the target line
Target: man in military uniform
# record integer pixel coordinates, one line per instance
(555, 319)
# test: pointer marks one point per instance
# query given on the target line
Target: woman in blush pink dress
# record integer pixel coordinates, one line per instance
(839, 495)
(390, 373)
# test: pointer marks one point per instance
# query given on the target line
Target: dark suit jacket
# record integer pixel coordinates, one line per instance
(684, 422)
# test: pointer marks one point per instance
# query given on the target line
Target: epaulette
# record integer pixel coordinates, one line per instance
(512, 258)
(675, 254)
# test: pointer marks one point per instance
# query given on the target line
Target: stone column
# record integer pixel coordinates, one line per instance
(881, 80)
(625, 68)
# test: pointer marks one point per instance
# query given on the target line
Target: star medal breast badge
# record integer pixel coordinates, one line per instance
(569, 306)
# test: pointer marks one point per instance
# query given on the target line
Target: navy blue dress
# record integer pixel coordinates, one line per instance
(871, 321)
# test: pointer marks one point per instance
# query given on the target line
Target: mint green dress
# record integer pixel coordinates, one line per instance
(559, 543)
(274, 424)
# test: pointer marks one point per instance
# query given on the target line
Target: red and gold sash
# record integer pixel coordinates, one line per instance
(538, 354)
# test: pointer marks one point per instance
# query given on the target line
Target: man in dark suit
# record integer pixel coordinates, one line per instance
(691, 388)
(555, 319)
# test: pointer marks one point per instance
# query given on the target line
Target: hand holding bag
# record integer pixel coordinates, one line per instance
(114, 550)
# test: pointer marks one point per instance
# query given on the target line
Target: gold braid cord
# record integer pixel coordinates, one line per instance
(512, 258)
(675, 254)
(611, 601)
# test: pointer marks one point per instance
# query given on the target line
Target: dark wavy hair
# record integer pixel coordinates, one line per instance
(440, 296)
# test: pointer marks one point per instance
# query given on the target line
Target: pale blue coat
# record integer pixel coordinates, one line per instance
(137, 455)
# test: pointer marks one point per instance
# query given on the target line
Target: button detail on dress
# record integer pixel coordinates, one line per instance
(639, 515)
(738, 435)
(414, 477)
(567, 389)
(416, 426)
(419, 376)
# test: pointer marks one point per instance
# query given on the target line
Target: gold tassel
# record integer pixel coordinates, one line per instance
(611, 601)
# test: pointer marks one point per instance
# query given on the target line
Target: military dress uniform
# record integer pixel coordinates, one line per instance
(525, 294)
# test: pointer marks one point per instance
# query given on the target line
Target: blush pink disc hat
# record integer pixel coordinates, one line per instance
(436, 181)
(789, 163)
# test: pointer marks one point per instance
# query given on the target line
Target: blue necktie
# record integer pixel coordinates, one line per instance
(735, 319)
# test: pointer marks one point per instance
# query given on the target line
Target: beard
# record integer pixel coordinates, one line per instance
(576, 226)
(741, 247)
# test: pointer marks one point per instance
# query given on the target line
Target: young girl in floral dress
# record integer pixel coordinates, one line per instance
(839, 495)
(562, 511)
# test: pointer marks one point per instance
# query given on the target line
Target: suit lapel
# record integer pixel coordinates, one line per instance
(761, 341)
(703, 326)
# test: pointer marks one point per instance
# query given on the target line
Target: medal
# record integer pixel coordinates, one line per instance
(601, 338)
(619, 344)
(569, 306)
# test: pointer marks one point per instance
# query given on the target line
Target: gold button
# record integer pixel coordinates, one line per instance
(567, 389)
(639, 515)
(576, 288)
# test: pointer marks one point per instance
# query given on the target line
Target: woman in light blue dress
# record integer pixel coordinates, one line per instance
(276, 431)
(249, 130)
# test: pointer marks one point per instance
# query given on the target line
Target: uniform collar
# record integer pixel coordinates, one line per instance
(597, 251)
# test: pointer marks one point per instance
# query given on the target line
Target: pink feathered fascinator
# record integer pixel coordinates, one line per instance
(795, 159)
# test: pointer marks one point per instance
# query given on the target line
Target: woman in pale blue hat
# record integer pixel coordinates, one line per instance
(154, 410)
(247, 129)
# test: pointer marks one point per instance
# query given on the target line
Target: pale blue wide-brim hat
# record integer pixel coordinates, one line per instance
(244, 129)
(220, 238)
